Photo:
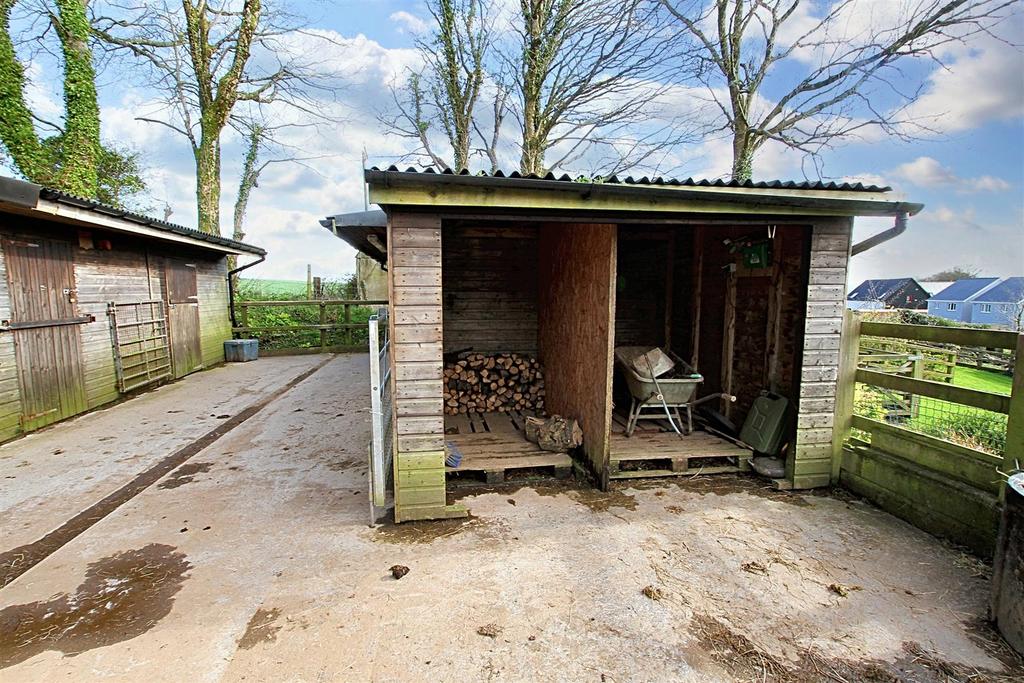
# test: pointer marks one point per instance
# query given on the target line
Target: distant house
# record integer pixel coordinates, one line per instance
(873, 295)
(956, 302)
(1001, 305)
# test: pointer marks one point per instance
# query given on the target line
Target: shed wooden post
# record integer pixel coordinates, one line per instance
(414, 282)
(846, 388)
(1013, 455)
(810, 462)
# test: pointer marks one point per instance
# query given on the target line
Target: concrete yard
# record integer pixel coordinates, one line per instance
(253, 560)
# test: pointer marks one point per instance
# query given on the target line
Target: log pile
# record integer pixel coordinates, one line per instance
(500, 383)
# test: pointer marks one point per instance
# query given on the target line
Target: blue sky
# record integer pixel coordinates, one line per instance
(970, 173)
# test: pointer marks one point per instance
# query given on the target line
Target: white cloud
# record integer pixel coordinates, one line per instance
(928, 172)
(408, 23)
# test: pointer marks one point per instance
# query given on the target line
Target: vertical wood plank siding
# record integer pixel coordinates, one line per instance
(10, 393)
(577, 304)
(130, 272)
(414, 282)
(810, 464)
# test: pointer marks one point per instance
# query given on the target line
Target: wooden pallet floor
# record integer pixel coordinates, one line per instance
(653, 452)
(494, 444)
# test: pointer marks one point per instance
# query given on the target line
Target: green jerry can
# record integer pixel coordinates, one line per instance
(766, 423)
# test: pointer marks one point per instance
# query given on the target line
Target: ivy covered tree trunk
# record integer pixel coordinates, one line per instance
(208, 181)
(70, 160)
(17, 131)
(742, 156)
(81, 138)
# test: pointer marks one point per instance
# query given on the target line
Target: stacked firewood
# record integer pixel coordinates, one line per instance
(481, 383)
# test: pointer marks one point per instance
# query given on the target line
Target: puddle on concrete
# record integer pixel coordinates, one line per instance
(260, 629)
(184, 474)
(122, 597)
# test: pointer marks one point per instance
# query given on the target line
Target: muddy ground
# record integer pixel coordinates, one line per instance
(254, 561)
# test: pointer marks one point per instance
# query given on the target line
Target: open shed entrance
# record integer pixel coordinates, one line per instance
(525, 300)
(727, 303)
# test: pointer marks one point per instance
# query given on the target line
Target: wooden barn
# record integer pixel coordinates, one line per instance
(498, 278)
(96, 302)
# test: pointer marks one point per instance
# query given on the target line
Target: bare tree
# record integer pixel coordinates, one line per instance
(850, 65)
(445, 92)
(585, 75)
(209, 57)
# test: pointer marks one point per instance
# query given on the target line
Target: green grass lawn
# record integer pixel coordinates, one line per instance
(982, 380)
(287, 288)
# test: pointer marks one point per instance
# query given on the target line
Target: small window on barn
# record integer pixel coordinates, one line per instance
(986, 308)
(1005, 308)
(950, 307)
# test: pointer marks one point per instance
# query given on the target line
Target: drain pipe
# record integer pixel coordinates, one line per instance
(231, 285)
(898, 228)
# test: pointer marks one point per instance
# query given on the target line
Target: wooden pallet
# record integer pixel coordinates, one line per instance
(665, 454)
(493, 444)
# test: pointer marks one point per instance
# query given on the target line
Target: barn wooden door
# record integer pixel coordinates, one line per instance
(45, 323)
(183, 317)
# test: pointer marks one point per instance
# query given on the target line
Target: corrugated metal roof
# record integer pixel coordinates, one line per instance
(961, 290)
(655, 181)
(148, 221)
(1009, 291)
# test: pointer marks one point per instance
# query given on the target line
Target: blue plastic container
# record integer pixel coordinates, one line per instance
(241, 350)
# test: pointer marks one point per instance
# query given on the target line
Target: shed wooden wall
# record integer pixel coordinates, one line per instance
(132, 271)
(414, 279)
(640, 286)
(10, 394)
(810, 464)
(490, 288)
(577, 304)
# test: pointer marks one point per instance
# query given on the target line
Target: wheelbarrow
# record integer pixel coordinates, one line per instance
(656, 399)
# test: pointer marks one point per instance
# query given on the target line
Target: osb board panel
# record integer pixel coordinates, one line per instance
(489, 285)
(577, 301)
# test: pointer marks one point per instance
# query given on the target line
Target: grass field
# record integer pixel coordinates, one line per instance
(983, 380)
(286, 288)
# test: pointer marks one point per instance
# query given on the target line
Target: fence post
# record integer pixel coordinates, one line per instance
(845, 387)
(348, 321)
(245, 315)
(323, 321)
(1013, 455)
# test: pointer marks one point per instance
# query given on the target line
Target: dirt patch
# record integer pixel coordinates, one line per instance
(122, 597)
(260, 629)
(744, 660)
(425, 531)
(343, 464)
(722, 485)
(184, 474)
(595, 499)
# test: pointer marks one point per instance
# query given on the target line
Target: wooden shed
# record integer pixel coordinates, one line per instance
(745, 281)
(96, 302)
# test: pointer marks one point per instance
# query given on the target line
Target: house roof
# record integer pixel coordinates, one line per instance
(1009, 290)
(512, 191)
(18, 196)
(878, 290)
(962, 290)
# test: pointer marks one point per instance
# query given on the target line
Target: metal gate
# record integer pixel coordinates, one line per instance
(141, 350)
(380, 412)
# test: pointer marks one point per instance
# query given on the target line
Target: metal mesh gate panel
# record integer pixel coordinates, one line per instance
(141, 351)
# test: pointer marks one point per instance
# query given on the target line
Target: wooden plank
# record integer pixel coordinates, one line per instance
(421, 257)
(417, 333)
(416, 296)
(1015, 422)
(432, 369)
(962, 336)
(577, 305)
(417, 352)
(728, 340)
(698, 282)
(419, 406)
(997, 403)
(420, 388)
(417, 315)
(433, 424)
(415, 277)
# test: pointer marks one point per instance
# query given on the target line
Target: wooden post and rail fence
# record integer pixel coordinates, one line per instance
(340, 334)
(915, 465)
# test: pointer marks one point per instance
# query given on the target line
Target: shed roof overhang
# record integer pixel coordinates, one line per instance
(518, 195)
(365, 231)
(27, 199)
